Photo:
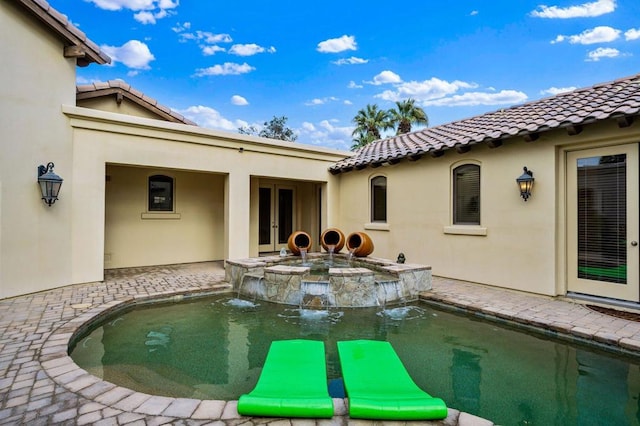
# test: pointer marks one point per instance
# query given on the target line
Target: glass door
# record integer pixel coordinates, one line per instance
(602, 230)
(276, 219)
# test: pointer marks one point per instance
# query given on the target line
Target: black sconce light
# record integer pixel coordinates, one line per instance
(525, 183)
(50, 183)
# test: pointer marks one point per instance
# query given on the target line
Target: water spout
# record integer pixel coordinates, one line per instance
(351, 254)
(315, 295)
(389, 291)
(252, 285)
(303, 255)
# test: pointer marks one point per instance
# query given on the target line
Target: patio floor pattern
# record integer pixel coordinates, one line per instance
(40, 384)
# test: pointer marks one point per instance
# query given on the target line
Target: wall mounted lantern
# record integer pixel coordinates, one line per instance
(50, 183)
(525, 183)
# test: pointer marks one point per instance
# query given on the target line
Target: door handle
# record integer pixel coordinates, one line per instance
(634, 243)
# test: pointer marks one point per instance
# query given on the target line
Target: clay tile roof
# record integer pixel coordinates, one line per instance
(121, 89)
(614, 99)
(77, 44)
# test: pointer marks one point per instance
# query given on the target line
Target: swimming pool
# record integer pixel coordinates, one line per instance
(213, 348)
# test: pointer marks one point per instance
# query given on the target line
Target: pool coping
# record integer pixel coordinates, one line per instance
(61, 368)
(587, 327)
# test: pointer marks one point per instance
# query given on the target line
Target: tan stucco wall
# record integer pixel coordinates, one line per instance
(103, 138)
(524, 243)
(46, 247)
(34, 239)
(134, 237)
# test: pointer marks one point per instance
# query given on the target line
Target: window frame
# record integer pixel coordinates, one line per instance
(164, 179)
(455, 207)
(374, 197)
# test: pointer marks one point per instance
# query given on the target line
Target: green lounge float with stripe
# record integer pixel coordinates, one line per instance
(379, 387)
(293, 383)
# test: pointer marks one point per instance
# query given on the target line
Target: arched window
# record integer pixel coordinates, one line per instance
(160, 193)
(466, 195)
(379, 199)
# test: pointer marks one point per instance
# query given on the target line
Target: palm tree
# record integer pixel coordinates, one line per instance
(405, 114)
(370, 120)
(361, 140)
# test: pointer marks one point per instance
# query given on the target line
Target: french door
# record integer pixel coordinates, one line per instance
(602, 222)
(276, 218)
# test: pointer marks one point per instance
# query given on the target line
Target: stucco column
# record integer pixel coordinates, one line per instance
(237, 198)
(331, 203)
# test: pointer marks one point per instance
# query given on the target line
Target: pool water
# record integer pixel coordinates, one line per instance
(213, 348)
(319, 268)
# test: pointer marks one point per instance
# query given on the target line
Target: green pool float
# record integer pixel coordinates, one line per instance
(379, 387)
(293, 383)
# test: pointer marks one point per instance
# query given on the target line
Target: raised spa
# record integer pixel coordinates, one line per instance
(327, 280)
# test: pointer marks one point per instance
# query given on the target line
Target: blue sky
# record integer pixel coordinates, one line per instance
(230, 64)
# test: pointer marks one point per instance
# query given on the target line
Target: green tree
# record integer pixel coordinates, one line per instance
(369, 122)
(361, 140)
(274, 129)
(405, 114)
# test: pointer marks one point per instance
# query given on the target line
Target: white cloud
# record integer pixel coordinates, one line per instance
(207, 41)
(586, 10)
(249, 49)
(148, 11)
(326, 134)
(212, 38)
(557, 90)
(309, 127)
(212, 50)
(133, 54)
(602, 34)
(210, 118)
(433, 88)
(474, 13)
(146, 17)
(168, 4)
(353, 85)
(239, 100)
(315, 101)
(181, 27)
(347, 102)
(385, 77)
(602, 52)
(228, 68)
(202, 36)
(632, 34)
(504, 97)
(335, 45)
(321, 101)
(437, 92)
(350, 61)
(124, 4)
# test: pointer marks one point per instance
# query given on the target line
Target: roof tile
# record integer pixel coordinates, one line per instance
(105, 88)
(582, 106)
